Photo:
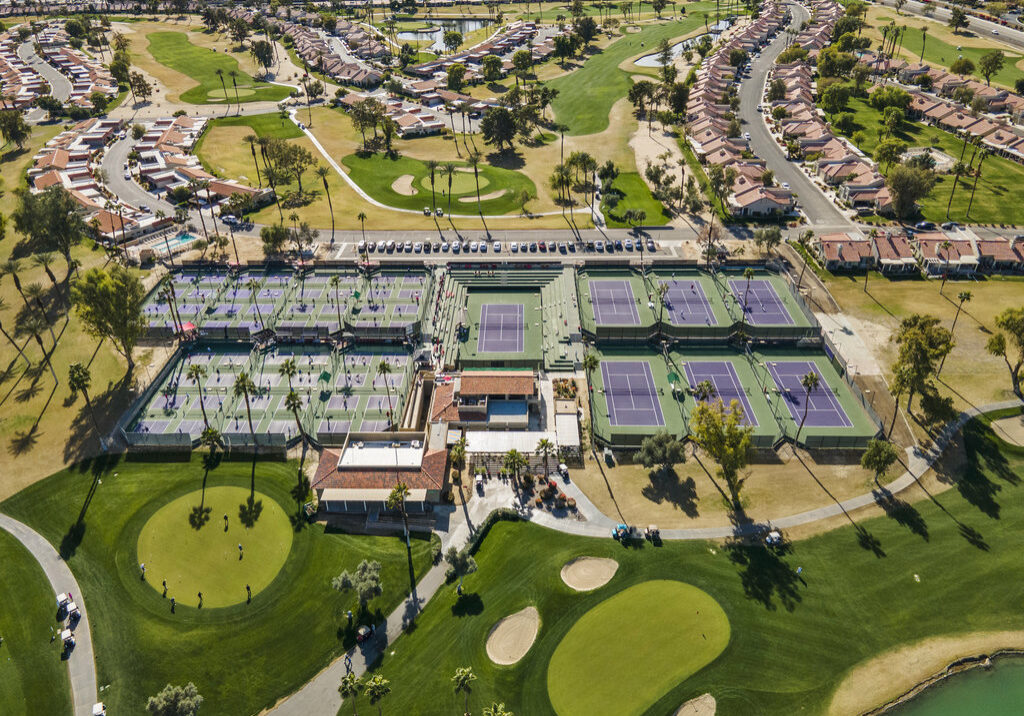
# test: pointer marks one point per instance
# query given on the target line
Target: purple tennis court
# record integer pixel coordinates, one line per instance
(630, 393)
(614, 303)
(761, 305)
(823, 409)
(502, 328)
(722, 375)
(687, 305)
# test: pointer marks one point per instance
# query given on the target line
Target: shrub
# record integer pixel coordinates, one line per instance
(503, 514)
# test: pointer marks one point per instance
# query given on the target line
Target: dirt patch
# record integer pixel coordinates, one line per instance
(403, 185)
(701, 706)
(587, 573)
(483, 197)
(889, 675)
(1010, 429)
(513, 636)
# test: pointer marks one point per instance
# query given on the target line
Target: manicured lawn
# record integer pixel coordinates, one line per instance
(800, 619)
(243, 657)
(33, 679)
(190, 545)
(376, 173)
(636, 195)
(586, 96)
(995, 201)
(270, 124)
(174, 50)
(678, 630)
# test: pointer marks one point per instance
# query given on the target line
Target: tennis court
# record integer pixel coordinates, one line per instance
(502, 328)
(631, 394)
(614, 303)
(761, 305)
(687, 304)
(722, 375)
(823, 408)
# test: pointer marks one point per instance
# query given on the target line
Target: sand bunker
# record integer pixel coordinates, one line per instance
(586, 573)
(483, 197)
(403, 185)
(701, 706)
(513, 636)
(1010, 429)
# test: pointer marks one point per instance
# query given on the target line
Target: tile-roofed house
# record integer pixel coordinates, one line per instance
(958, 258)
(1000, 255)
(496, 383)
(841, 252)
(894, 255)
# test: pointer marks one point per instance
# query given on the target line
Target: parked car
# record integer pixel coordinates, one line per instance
(785, 185)
(514, 246)
(950, 225)
(417, 247)
(361, 246)
(497, 247)
(408, 247)
(925, 226)
(650, 245)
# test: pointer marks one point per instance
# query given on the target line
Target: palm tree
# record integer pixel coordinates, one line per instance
(289, 370)
(362, 223)
(959, 169)
(514, 462)
(195, 186)
(590, 364)
(79, 380)
(377, 688)
(662, 298)
(458, 454)
(335, 283)
(384, 370)
(924, 38)
(34, 292)
(463, 680)
(474, 161)
(396, 500)
(963, 297)
(349, 688)
(496, 709)
(748, 273)
(449, 171)
(545, 446)
(220, 75)
(243, 387)
(254, 286)
(323, 172)
(11, 267)
(293, 402)
(810, 383)
(10, 339)
(945, 246)
(45, 259)
(977, 175)
(251, 140)
(703, 391)
(234, 83)
(197, 374)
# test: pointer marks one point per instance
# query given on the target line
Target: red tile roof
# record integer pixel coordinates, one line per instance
(429, 476)
(497, 383)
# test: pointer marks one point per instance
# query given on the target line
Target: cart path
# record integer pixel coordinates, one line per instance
(82, 663)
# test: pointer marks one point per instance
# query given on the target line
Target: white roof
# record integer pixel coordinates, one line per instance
(568, 429)
(365, 455)
(501, 441)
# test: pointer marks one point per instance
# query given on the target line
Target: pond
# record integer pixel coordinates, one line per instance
(680, 47)
(998, 691)
(435, 35)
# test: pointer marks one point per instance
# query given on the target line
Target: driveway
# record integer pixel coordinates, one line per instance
(60, 86)
(125, 189)
(821, 213)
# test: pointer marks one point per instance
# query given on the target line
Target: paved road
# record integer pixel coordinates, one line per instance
(984, 28)
(82, 663)
(821, 213)
(126, 189)
(60, 86)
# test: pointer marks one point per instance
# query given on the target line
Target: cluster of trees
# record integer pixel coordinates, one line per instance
(121, 69)
(371, 114)
(376, 688)
(13, 127)
(575, 174)
(520, 113)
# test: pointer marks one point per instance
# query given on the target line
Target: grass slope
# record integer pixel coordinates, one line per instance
(585, 96)
(997, 187)
(635, 195)
(675, 630)
(800, 619)
(33, 679)
(174, 50)
(241, 658)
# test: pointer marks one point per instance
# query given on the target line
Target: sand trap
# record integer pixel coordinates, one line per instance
(513, 636)
(403, 185)
(701, 706)
(1010, 429)
(483, 197)
(586, 573)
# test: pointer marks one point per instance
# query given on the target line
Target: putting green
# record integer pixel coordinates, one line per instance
(462, 182)
(631, 649)
(185, 543)
(230, 94)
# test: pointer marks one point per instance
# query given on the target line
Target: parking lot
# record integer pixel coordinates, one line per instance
(506, 248)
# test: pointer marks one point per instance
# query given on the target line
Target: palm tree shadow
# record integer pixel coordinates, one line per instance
(99, 467)
(249, 512)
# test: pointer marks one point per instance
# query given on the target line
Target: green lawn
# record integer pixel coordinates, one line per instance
(681, 629)
(585, 96)
(998, 187)
(376, 173)
(188, 544)
(800, 619)
(33, 679)
(635, 195)
(242, 658)
(270, 124)
(175, 51)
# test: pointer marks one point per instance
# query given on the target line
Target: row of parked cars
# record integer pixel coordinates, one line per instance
(482, 247)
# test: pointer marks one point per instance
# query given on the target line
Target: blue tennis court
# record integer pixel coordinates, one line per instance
(630, 393)
(614, 303)
(761, 305)
(722, 375)
(502, 328)
(687, 305)
(823, 410)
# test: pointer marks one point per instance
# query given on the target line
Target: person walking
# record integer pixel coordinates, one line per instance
(239, 550)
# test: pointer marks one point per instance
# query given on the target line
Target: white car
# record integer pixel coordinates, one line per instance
(497, 247)
(473, 246)
(785, 185)
(444, 246)
(127, 176)
(995, 32)
(514, 245)
(417, 247)
(746, 135)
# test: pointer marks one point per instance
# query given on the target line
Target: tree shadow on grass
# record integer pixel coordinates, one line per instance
(97, 467)
(250, 511)
(666, 486)
(81, 440)
(506, 159)
(902, 512)
(984, 457)
(468, 605)
(765, 575)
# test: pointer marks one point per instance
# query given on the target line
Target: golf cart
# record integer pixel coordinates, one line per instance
(626, 532)
(363, 633)
(773, 538)
(563, 470)
(99, 710)
(73, 613)
(68, 639)
(652, 533)
(479, 484)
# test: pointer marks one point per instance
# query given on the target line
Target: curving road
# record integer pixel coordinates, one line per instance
(82, 663)
(821, 213)
(60, 86)
(128, 190)
(1007, 35)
